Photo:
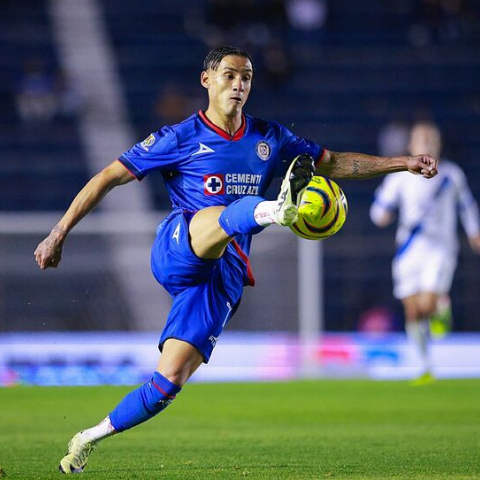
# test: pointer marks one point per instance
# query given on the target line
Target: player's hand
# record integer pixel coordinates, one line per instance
(422, 165)
(49, 252)
(475, 243)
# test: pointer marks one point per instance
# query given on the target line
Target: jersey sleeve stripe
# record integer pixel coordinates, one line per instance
(131, 167)
(320, 158)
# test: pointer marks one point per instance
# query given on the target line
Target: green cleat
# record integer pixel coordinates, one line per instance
(79, 449)
(296, 179)
(441, 321)
(425, 379)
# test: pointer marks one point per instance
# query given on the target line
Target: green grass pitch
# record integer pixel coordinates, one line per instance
(296, 430)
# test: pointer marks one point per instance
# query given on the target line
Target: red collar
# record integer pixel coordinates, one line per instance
(238, 135)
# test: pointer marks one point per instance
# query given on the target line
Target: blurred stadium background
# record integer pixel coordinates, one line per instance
(82, 80)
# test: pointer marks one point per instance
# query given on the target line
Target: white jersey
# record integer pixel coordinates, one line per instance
(427, 240)
(428, 208)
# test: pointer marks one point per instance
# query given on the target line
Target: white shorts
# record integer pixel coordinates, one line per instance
(422, 269)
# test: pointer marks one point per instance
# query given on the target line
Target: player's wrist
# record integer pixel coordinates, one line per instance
(405, 161)
(59, 232)
(398, 164)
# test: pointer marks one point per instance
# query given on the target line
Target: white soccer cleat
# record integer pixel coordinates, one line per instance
(296, 179)
(79, 449)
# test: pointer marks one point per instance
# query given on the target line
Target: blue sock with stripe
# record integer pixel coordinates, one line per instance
(239, 217)
(144, 403)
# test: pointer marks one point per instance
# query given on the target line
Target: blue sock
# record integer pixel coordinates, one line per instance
(144, 403)
(238, 216)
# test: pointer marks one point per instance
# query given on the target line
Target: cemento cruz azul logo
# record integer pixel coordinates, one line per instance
(232, 184)
(214, 184)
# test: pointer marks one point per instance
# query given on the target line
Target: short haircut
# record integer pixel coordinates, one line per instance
(215, 56)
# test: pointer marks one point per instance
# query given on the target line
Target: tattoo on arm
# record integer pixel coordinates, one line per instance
(356, 168)
(359, 165)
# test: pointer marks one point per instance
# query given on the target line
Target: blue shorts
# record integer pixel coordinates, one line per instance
(205, 293)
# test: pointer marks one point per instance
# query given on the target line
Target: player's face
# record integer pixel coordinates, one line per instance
(425, 139)
(229, 85)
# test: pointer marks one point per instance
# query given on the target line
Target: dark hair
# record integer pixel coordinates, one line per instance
(215, 56)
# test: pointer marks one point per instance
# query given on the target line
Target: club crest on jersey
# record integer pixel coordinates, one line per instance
(214, 184)
(263, 150)
(148, 142)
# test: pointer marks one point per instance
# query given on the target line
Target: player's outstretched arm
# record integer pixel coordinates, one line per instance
(49, 251)
(360, 165)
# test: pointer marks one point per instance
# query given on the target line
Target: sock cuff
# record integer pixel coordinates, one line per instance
(239, 217)
(165, 386)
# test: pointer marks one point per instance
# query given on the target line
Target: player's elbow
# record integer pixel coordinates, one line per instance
(326, 166)
(114, 175)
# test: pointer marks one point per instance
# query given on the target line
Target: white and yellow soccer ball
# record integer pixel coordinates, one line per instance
(322, 209)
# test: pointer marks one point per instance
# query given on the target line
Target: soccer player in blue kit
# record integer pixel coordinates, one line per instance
(217, 165)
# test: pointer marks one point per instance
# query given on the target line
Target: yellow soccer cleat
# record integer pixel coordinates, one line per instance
(79, 449)
(441, 323)
(425, 379)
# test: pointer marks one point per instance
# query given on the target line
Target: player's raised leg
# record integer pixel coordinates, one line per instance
(178, 362)
(213, 228)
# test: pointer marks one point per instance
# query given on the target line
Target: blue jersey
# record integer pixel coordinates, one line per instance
(203, 165)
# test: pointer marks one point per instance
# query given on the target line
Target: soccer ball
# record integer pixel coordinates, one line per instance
(322, 209)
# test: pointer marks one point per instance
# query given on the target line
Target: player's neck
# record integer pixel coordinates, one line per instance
(228, 124)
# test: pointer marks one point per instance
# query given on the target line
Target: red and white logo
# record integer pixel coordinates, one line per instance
(214, 184)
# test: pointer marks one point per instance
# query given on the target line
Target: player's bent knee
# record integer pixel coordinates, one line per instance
(427, 311)
(427, 304)
(177, 376)
(206, 220)
(207, 238)
(411, 308)
(178, 361)
(412, 314)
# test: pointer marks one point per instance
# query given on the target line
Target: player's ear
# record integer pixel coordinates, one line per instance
(205, 79)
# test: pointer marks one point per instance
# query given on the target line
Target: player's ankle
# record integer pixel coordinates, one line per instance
(264, 213)
(103, 430)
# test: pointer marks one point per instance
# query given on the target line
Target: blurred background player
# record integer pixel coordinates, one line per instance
(427, 241)
(201, 251)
